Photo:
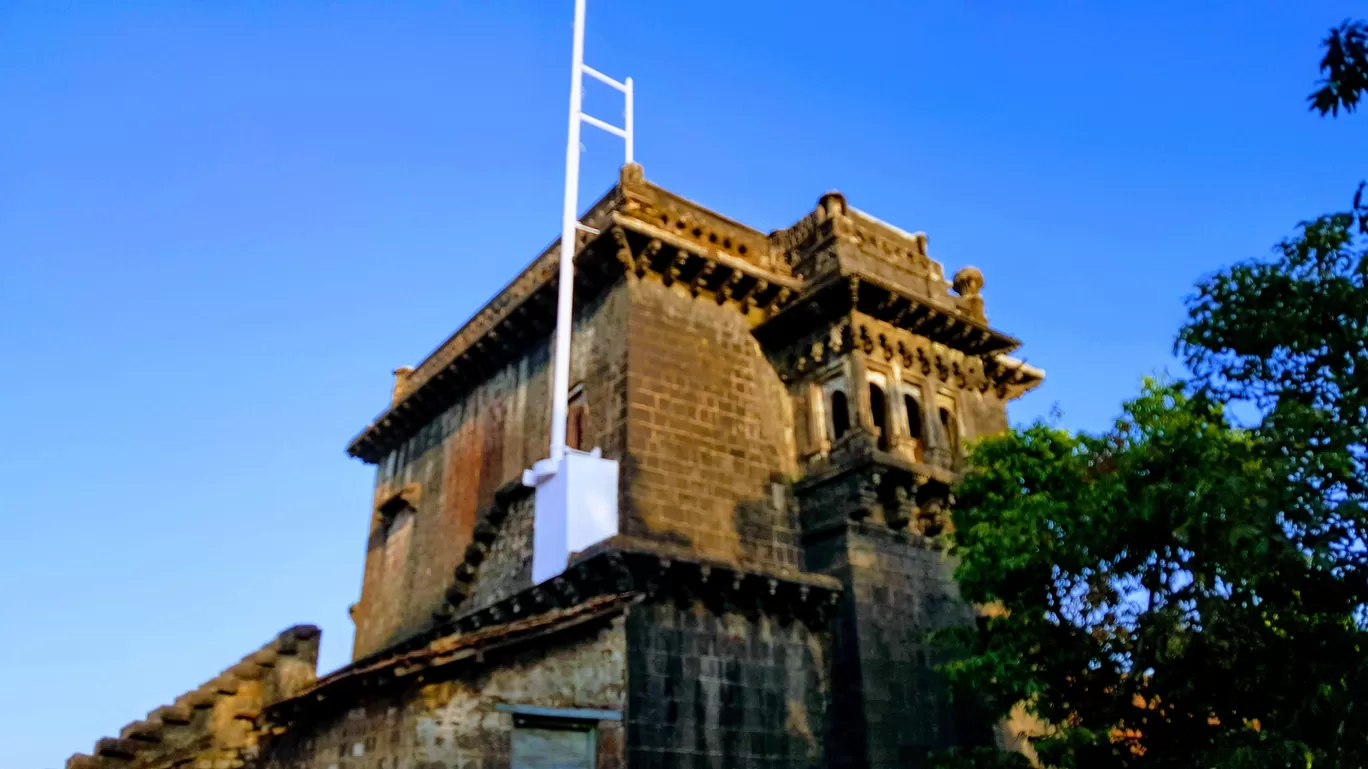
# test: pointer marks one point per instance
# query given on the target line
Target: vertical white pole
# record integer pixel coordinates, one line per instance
(627, 122)
(560, 380)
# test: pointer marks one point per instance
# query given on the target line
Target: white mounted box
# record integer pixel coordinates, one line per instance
(576, 506)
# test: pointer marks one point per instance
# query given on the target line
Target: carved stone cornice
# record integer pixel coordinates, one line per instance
(835, 231)
(886, 342)
(838, 296)
(887, 274)
(835, 261)
(876, 488)
(1012, 378)
(697, 229)
(650, 251)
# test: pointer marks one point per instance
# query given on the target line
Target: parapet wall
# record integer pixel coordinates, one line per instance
(214, 726)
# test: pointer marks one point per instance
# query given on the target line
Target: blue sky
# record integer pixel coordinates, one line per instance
(223, 224)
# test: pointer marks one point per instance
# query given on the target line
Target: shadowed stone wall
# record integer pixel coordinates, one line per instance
(451, 720)
(722, 689)
(709, 432)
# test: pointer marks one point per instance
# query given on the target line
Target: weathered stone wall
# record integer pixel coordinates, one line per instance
(461, 458)
(709, 436)
(508, 567)
(213, 726)
(721, 689)
(450, 721)
(892, 705)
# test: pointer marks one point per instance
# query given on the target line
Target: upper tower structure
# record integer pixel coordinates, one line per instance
(735, 375)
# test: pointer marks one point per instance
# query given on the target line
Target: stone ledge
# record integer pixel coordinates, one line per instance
(878, 488)
(599, 583)
(341, 687)
(169, 731)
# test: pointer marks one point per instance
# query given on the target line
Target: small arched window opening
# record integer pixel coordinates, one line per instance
(879, 406)
(577, 420)
(840, 415)
(951, 431)
(914, 423)
(397, 510)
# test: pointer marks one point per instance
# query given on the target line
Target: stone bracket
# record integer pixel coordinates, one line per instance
(876, 489)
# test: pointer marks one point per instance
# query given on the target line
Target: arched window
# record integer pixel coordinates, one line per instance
(914, 423)
(879, 406)
(951, 431)
(840, 415)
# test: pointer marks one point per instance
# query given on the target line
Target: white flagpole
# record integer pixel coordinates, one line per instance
(577, 492)
(560, 380)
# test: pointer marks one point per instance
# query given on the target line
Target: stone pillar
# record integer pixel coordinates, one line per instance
(401, 384)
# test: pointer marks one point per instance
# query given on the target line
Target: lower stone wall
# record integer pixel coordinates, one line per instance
(720, 688)
(894, 707)
(451, 720)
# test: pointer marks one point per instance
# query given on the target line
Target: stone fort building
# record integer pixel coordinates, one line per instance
(788, 410)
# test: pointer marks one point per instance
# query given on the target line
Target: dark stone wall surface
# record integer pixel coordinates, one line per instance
(720, 689)
(508, 567)
(891, 705)
(709, 433)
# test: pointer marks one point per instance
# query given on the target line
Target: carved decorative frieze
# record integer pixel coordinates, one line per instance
(942, 321)
(649, 251)
(703, 231)
(884, 342)
(876, 489)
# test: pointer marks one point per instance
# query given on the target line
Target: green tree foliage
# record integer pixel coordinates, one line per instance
(1345, 65)
(1183, 590)
(1145, 600)
(1290, 336)
(1146, 597)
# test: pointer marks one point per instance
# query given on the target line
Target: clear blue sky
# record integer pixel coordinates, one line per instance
(223, 224)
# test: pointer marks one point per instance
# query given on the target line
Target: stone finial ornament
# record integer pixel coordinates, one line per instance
(833, 204)
(631, 173)
(969, 282)
(920, 237)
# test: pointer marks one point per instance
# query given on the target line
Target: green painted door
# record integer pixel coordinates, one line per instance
(539, 748)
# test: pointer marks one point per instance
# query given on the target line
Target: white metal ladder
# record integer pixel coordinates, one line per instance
(576, 497)
(570, 219)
